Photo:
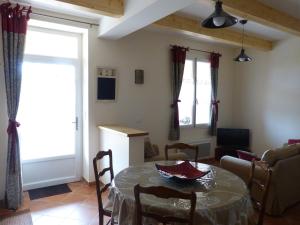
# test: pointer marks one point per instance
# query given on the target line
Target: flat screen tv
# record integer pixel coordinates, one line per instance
(232, 137)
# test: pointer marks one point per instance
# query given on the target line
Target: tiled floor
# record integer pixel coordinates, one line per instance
(80, 208)
(76, 208)
(290, 217)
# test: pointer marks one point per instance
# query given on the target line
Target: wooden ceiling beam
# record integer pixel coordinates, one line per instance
(112, 8)
(225, 35)
(264, 14)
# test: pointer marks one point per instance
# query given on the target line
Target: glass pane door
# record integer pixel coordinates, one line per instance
(47, 110)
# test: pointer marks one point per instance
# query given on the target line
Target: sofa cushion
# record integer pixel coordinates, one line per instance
(293, 141)
(273, 155)
(249, 156)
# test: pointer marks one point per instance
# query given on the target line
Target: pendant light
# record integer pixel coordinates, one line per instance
(242, 57)
(219, 18)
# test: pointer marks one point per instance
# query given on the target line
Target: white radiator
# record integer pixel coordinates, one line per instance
(204, 149)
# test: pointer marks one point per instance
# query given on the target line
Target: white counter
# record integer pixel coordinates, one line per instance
(127, 145)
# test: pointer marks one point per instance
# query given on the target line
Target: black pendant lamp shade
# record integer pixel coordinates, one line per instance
(243, 57)
(219, 18)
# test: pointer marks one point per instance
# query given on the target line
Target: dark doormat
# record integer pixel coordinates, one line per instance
(48, 191)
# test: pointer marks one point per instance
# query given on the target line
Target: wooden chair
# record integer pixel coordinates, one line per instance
(261, 186)
(103, 210)
(181, 146)
(163, 192)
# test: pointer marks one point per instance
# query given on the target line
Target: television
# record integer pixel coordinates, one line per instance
(232, 137)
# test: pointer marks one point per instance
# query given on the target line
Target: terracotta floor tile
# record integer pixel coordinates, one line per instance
(61, 211)
(80, 207)
(39, 205)
(48, 220)
(91, 202)
(75, 222)
(85, 190)
(83, 213)
(35, 216)
(95, 221)
(75, 198)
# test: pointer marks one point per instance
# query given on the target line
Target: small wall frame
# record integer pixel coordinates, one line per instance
(139, 76)
(106, 84)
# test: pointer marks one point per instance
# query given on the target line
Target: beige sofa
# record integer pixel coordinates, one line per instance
(285, 183)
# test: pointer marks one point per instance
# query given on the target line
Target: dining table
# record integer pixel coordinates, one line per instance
(222, 197)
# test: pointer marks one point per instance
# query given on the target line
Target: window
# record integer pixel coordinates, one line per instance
(195, 93)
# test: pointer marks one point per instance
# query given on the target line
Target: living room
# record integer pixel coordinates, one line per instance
(260, 95)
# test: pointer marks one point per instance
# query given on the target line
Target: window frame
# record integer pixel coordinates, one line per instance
(195, 59)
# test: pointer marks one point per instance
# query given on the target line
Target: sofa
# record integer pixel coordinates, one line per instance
(285, 182)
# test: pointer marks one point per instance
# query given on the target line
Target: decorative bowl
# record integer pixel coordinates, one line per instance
(184, 171)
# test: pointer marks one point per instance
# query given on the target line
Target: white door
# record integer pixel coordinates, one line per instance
(50, 108)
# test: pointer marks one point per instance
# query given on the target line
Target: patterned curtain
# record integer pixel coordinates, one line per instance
(14, 26)
(178, 55)
(214, 64)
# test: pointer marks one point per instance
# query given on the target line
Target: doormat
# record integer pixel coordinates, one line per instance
(48, 191)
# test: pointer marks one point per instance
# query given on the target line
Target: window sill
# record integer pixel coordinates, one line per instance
(200, 126)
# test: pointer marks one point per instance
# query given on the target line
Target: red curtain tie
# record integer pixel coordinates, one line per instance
(215, 105)
(12, 127)
(175, 103)
(12, 130)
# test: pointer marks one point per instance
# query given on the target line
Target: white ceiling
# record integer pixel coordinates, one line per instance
(199, 10)
(203, 8)
(60, 8)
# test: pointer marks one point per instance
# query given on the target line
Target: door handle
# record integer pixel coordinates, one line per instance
(76, 123)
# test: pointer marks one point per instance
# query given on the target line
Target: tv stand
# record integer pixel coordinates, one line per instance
(220, 151)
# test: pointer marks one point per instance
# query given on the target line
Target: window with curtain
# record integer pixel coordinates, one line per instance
(195, 93)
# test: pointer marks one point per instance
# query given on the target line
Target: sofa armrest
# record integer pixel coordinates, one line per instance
(237, 166)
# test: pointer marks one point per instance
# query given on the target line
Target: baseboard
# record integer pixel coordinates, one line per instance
(50, 182)
(89, 183)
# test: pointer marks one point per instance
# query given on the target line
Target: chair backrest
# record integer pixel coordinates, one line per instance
(99, 174)
(163, 192)
(181, 146)
(262, 186)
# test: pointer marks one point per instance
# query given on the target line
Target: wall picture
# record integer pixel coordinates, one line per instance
(106, 88)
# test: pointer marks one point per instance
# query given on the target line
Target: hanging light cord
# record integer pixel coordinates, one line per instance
(243, 36)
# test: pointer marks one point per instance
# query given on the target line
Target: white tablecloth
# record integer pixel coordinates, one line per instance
(222, 197)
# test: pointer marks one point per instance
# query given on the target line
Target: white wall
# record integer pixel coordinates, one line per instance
(147, 106)
(267, 95)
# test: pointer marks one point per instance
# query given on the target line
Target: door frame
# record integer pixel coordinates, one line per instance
(78, 156)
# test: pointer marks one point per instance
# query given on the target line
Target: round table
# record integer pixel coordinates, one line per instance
(222, 197)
